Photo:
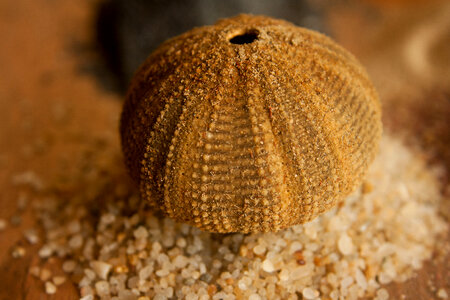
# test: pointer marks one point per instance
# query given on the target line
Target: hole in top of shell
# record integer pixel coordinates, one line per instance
(247, 37)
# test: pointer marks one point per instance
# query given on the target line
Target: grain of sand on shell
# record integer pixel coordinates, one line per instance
(113, 248)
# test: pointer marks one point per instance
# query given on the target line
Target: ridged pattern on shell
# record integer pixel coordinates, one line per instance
(249, 137)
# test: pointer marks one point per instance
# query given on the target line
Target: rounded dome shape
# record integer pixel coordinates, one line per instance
(252, 124)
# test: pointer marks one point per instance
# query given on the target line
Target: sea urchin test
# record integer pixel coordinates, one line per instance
(249, 125)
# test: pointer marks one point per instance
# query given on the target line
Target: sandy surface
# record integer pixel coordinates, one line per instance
(50, 111)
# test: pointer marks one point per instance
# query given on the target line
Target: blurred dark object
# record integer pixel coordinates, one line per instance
(129, 30)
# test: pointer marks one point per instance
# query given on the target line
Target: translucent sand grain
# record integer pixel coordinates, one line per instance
(116, 249)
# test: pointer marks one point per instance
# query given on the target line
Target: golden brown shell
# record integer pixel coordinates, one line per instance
(249, 125)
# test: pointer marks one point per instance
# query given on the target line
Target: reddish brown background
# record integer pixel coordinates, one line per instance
(48, 105)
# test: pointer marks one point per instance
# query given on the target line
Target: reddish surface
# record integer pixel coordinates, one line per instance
(39, 76)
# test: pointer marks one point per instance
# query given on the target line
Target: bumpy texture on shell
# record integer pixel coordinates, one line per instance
(249, 137)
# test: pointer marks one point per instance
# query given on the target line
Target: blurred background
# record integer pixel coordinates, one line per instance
(129, 30)
(404, 44)
(65, 66)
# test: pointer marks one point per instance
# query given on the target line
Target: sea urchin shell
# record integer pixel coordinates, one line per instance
(249, 125)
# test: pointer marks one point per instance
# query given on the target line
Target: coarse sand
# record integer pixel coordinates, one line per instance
(114, 248)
